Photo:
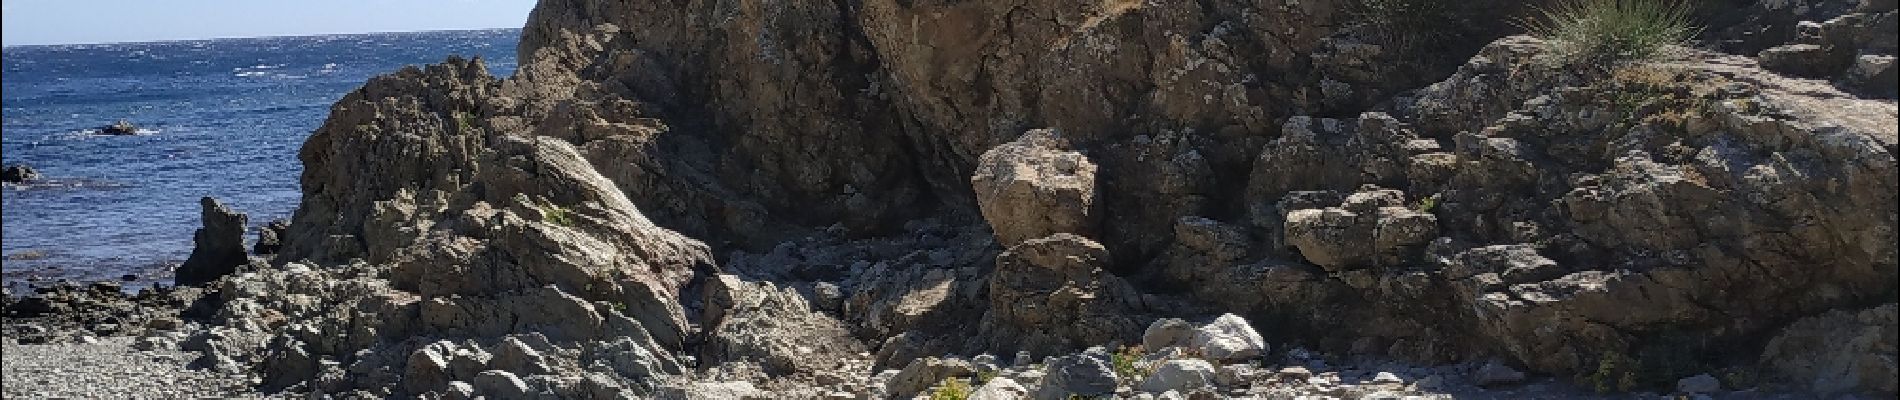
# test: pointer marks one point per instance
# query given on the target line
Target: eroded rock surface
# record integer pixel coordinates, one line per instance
(1055, 177)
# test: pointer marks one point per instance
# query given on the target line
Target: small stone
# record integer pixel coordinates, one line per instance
(1087, 374)
(1430, 383)
(1387, 378)
(1234, 375)
(1181, 375)
(1699, 384)
(498, 384)
(1229, 339)
(459, 390)
(163, 324)
(150, 343)
(1000, 388)
(1166, 332)
(1294, 373)
(923, 373)
(1496, 373)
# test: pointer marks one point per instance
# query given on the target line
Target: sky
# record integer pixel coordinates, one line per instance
(110, 21)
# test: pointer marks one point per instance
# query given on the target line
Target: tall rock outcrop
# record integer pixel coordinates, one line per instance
(427, 233)
(218, 246)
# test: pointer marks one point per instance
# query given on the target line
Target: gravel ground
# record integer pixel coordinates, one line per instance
(111, 369)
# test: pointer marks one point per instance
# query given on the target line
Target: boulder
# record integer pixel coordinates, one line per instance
(502, 385)
(1087, 374)
(1033, 187)
(1338, 238)
(1180, 376)
(120, 128)
(1495, 373)
(1000, 388)
(1055, 293)
(1166, 332)
(1804, 60)
(270, 237)
(1873, 75)
(774, 327)
(923, 373)
(1228, 339)
(219, 245)
(19, 173)
(1699, 384)
(1838, 352)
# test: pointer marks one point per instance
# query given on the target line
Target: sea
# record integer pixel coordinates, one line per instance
(220, 117)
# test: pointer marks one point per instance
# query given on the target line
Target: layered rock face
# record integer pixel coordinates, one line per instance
(432, 249)
(898, 180)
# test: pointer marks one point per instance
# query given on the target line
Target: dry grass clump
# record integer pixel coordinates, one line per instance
(1606, 33)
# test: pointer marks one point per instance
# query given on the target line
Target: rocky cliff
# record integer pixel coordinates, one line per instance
(896, 181)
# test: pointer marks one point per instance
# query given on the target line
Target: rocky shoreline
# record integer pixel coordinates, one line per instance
(1115, 200)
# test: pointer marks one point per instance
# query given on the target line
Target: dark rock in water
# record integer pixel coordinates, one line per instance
(270, 237)
(220, 245)
(19, 173)
(122, 127)
(33, 306)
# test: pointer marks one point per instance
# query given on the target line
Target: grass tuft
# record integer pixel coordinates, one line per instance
(951, 389)
(1605, 33)
(550, 212)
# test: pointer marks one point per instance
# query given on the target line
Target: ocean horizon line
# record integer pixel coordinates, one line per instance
(284, 36)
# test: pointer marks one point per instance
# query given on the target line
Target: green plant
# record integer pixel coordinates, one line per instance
(550, 212)
(1425, 205)
(1604, 33)
(1667, 96)
(1124, 363)
(1615, 372)
(951, 389)
(985, 376)
(465, 121)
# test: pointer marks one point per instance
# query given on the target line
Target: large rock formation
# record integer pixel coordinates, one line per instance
(435, 236)
(461, 234)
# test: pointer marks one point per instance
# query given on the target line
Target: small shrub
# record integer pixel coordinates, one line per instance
(1124, 363)
(985, 376)
(550, 212)
(1425, 205)
(1603, 33)
(951, 389)
(1669, 96)
(1615, 373)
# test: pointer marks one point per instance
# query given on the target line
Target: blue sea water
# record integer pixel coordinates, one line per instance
(221, 118)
